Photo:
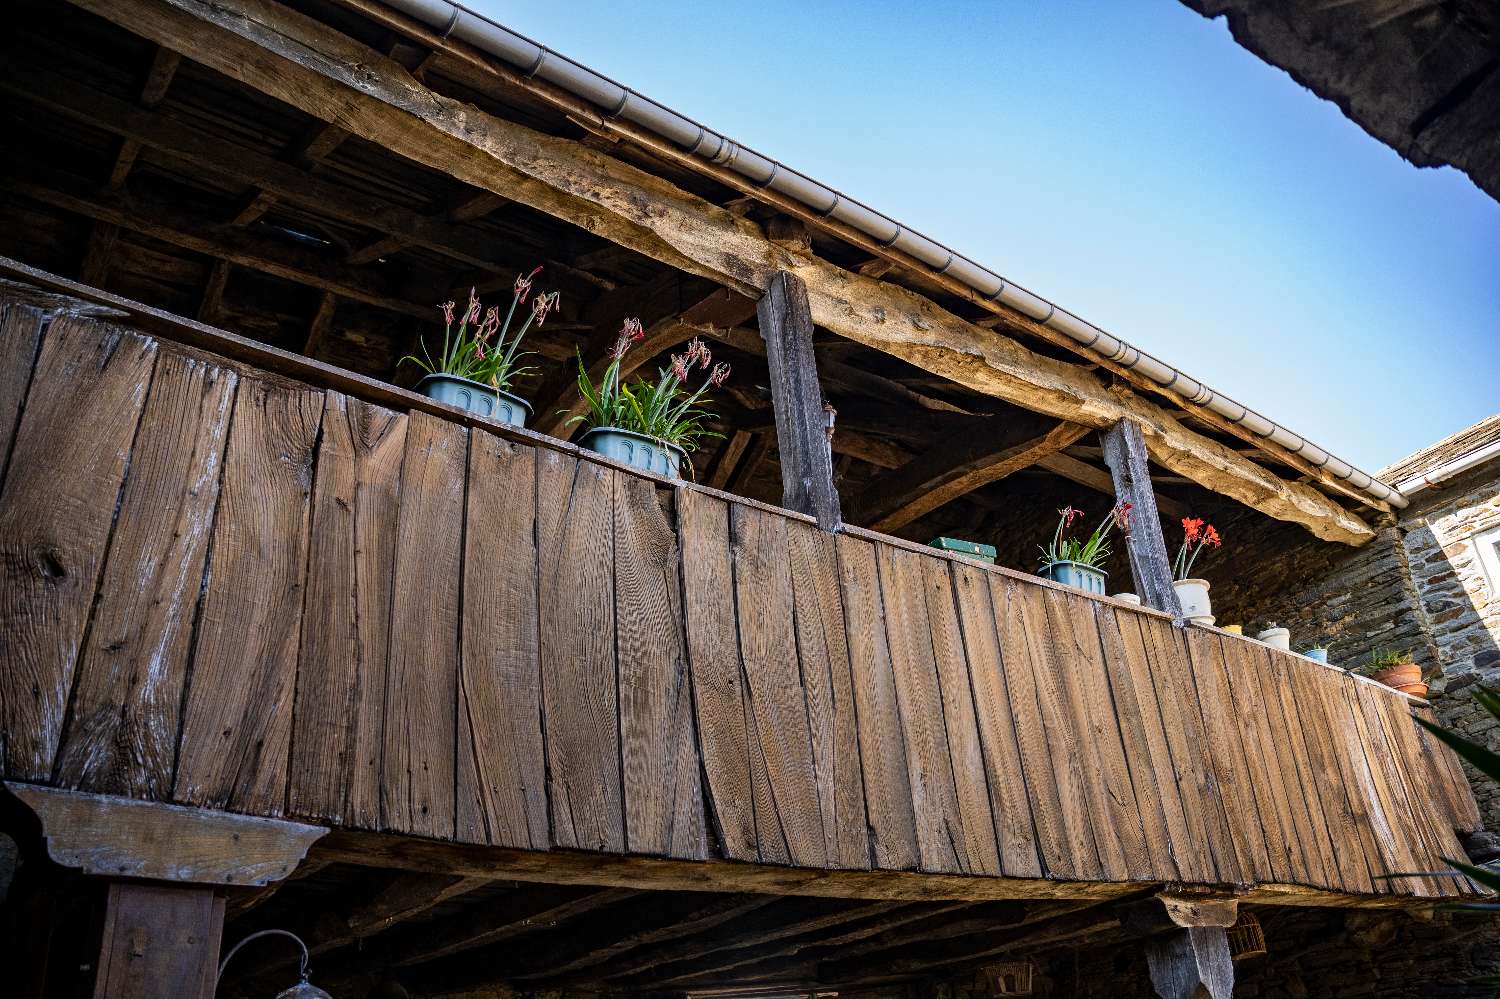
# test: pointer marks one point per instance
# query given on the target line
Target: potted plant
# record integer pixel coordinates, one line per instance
(1192, 593)
(1317, 651)
(1075, 562)
(652, 427)
(1276, 637)
(478, 362)
(1396, 670)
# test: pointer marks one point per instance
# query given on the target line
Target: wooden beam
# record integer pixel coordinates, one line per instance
(535, 909)
(122, 837)
(315, 144)
(804, 428)
(322, 322)
(755, 455)
(726, 458)
(991, 449)
(1187, 950)
(1150, 566)
(154, 217)
(211, 303)
(1085, 474)
(98, 256)
(159, 940)
(332, 76)
(164, 63)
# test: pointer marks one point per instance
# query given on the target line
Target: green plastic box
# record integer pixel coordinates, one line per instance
(973, 549)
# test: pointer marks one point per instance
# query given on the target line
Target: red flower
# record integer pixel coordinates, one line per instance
(1190, 528)
(680, 367)
(1069, 514)
(1211, 537)
(1122, 516)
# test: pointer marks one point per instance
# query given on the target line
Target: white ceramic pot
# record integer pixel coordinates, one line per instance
(1276, 638)
(1129, 598)
(1192, 594)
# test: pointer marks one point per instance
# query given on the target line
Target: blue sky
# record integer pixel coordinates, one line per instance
(1126, 160)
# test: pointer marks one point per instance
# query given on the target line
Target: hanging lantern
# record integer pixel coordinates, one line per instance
(303, 989)
(1246, 938)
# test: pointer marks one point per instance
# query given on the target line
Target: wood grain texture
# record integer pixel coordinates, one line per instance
(714, 664)
(1129, 468)
(580, 711)
(84, 403)
(421, 682)
(658, 747)
(823, 648)
(337, 743)
(788, 819)
(20, 335)
(882, 751)
(155, 934)
(238, 719)
(122, 731)
(502, 792)
(1015, 833)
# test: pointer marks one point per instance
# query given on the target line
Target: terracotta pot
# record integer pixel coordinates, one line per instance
(1406, 678)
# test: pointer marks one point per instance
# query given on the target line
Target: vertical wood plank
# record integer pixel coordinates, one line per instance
(787, 818)
(1237, 759)
(1340, 793)
(1370, 821)
(941, 844)
(502, 794)
(159, 940)
(20, 335)
(1278, 818)
(341, 670)
(84, 402)
(714, 665)
(421, 685)
(1447, 772)
(1009, 800)
(823, 646)
(1144, 746)
(1125, 454)
(122, 730)
(238, 722)
(1430, 815)
(580, 701)
(1113, 814)
(663, 793)
(882, 750)
(1408, 856)
(803, 442)
(970, 783)
(1054, 837)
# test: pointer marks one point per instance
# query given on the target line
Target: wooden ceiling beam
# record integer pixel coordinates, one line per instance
(332, 76)
(1098, 480)
(537, 909)
(164, 63)
(993, 448)
(232, 244)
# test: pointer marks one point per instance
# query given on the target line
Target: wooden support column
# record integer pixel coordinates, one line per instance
(1125, 454)
(159, 940)
(803, 434)
(1187, 949)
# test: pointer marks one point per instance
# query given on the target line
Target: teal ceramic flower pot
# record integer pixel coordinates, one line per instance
(1075, 574)
(1317, 655)
(636, 450)
(477, 398)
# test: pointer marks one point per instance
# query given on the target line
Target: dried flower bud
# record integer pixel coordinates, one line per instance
(523, 283)
(541, 305)
(633, 331)
(680, 367)
(491, 323)
(720, 374)
(447, 308)
(472, 316)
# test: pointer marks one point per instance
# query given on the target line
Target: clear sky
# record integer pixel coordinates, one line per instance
(1126, 160)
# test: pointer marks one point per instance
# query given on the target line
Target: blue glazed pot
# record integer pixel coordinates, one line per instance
(1075, 574)
(477, 398)
(1317, 655)
(636, 450)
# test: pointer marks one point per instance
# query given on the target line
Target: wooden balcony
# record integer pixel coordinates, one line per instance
(244, 581)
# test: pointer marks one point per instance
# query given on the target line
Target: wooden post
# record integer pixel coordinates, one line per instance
(803, 434)
(1187, 948)
(159, 940)
(1125, 454)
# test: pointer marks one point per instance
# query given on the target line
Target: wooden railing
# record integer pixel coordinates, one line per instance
(226, 588)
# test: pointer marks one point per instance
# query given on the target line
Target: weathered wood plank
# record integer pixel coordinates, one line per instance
(1150, 567)
(1142, 740)
(1448, 772)
(658, 747)
(1408, 857)
(20, 336)
(1236, 756)
(1428, 812)
(1340, 793)
(579, 692)
(823, 647)
(122, 731)
(941, 843)
(1009, 802)
(788, 821)
(155, 934)
(882, 751)
(970, 784)
(341, 673)
(502, 794)
(1370, 819)
(421, 691)
(1063, 748)
(108, 836)
(238, 720)
(802, 431)
(1075, 651)
(86, 398)
(714, 663)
